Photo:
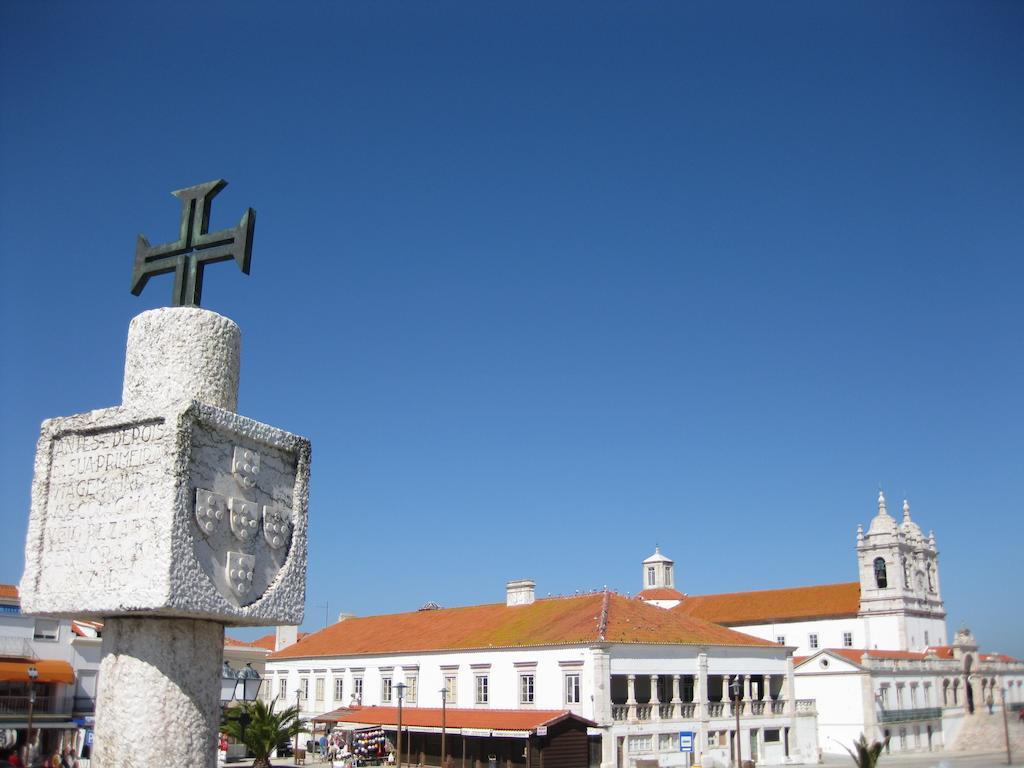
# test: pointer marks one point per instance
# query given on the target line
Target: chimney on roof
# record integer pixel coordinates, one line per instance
(285, 636)
(520, 592)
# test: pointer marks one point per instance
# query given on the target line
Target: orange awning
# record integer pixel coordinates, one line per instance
(49, 671)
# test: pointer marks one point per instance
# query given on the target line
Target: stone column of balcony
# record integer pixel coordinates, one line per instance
(788, 687)
(676, 701)
(746, 687)
(631, 697)
(700, 691)
(654, 701)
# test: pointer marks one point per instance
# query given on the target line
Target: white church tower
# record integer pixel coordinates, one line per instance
(899, 583)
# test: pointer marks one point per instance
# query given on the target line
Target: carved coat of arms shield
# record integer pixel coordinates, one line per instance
(242, 514)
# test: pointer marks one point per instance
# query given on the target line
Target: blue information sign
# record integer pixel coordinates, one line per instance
(686, 741)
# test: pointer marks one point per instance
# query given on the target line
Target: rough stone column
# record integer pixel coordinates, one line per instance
(182, 353)
(675, 690)
(161, 676)
(158, 676)
(746, 687)
(766, 688)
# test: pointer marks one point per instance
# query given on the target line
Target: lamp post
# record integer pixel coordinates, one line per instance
(298, 709)
(1006, 727)
(33, 673)
(243, 685)
(736, 690)
(398, 741)
(444, 723)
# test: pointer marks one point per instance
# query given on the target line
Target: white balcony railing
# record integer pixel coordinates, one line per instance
(688, 710)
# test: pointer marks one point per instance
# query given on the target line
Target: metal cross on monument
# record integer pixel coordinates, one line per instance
(195, 247)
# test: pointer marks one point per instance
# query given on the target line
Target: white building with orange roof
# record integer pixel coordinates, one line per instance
(63, 655)
(642, 677)
(871, 653)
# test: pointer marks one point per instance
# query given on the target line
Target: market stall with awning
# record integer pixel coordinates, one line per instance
(507, 738)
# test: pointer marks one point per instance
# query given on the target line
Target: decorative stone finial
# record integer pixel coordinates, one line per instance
(860, 533)
(881, 503)
(906, 511)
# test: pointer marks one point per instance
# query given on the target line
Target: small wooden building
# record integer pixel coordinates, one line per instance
(476, 738)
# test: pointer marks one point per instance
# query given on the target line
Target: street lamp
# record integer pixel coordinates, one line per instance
(298, 709)
(398, 741)
(736, 690)
(444, 718)
(1006, 727)
(33, 673)
(243, 685)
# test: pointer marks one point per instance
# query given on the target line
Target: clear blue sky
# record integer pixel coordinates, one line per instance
(547, 284)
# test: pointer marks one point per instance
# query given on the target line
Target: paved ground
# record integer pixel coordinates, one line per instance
(933, 760)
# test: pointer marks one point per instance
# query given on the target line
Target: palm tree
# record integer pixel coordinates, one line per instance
(261, 729)
(866, 755)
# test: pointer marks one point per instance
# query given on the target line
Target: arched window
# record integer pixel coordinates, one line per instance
(880, 577)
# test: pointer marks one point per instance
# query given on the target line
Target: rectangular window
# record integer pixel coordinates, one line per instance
(385, 690)
(668, 742)
(319, 689)
(913, 695)
(780, 639)
(668, 575)
(339, 689)
(642, 743)
(357, 689)
(772, 735)
(926, 643)
(526, 689)
(46, 629)
(847, 639)
(812, 640)
(572, 688)
(883, 696)
(899, 695)
(282, 689)
(713, 740)
(650, 576)
(451, 688)
(410, 688)
(304, 687)
(481, 689)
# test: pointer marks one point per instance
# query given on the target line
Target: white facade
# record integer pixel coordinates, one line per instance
(640, 695)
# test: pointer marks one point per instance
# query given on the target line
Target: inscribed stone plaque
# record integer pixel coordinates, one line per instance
(196, 512)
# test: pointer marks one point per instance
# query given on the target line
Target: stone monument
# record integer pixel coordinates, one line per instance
(169, 516)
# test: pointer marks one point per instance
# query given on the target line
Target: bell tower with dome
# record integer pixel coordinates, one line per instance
(899, 583)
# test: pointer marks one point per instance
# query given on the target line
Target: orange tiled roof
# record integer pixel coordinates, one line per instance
(426, 717)
(9, 590)
(942, 651)
(269, 641)
(997, 657)
(234, 642)
(660, 593)
(576, 620)
(764, 606)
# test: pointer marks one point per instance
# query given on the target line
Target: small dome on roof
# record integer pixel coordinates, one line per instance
(657, 557)
(883, 522)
